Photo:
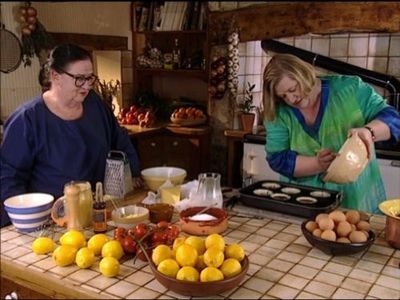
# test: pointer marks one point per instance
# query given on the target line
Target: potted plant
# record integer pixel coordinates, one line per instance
(246, 108)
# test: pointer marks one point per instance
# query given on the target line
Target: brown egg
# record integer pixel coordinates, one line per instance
(337, 216)
(317, 232)
(357, 237)
(363, 225)
(344, 240)
(343, 229)
(353, 227)
(366, 233)
(311, 225)
(352, 216)
(326, 223)
(329, 235)
(319, 216)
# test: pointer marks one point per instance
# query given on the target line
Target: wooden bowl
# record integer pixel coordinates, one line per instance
(335, 248)
(159, 212)
(201, 289)
(196, 227)
(188, 122)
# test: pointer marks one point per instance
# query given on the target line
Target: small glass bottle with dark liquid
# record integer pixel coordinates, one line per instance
(99, 211)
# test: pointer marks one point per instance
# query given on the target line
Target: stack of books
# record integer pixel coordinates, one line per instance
(170, 15)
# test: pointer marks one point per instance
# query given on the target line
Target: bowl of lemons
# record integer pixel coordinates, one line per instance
(197, 266)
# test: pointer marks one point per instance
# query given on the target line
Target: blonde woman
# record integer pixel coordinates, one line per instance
(309, 117)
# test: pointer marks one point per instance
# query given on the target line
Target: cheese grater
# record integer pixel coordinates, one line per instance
(118, 176)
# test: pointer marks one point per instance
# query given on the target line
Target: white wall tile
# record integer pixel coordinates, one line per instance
(320, 46)
(257, 65)
(378, 46)
(249, 65)
(339, 47)
(303, 43)
(242, 65)
(394, 66)
(250, 48)
(358, 61)
(358, 46)
(378, 64)
(394, 46)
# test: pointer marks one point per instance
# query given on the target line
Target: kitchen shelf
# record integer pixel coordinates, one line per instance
(201, 74)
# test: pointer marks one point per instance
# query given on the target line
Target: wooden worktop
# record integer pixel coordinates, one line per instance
(282, 265)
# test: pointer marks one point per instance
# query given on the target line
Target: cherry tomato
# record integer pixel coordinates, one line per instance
(119, 232)
(163, 224)
(129, 245)
(158, 237)
(140, 230)
(141, 255)
(174, 230)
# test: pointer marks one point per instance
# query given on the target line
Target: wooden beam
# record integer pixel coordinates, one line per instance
(277, 20)
(91, 41)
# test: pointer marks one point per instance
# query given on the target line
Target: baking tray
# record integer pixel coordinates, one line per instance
(326, 200)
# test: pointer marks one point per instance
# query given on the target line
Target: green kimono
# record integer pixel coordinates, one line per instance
(351, 103)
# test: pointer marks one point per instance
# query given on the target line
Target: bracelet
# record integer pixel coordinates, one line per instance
(371, 131)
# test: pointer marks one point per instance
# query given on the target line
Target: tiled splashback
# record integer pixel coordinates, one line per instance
(377, 52)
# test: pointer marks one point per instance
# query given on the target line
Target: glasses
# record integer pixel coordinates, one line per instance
(80, 80)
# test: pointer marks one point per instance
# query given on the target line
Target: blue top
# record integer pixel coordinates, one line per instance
(41, 152)
(284, 162)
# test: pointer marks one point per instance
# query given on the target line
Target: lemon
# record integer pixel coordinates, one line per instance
(230, 267)
(211, 274)
(112, 248)
(109, 266)
(177, 242)
(186, 255)
(188, 274)
(74, 238)
(234, 251)
(84, 258)
(200, 265)
(160, 253)
(168, 267)
(43, 245)
(213, 257)
(97, 242)
(64, 255)
(197, 243)
(215, 240)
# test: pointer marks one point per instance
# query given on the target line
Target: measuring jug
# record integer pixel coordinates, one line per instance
(209, 190)
(75, 208)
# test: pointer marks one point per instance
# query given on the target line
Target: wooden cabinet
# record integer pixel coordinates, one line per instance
(187, 148)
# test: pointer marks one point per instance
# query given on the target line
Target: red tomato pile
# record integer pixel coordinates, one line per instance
(135, 115)
(150, 236)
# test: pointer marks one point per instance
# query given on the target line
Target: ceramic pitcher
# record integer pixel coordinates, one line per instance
(209, 189)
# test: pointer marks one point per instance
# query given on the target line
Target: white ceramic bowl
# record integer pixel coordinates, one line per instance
(155, 177)
(127, 216)
(29, 212)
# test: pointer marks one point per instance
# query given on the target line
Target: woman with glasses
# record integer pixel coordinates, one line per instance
(309, 117)
(63, 134)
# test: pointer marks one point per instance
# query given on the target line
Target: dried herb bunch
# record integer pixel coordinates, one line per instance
(107, 89)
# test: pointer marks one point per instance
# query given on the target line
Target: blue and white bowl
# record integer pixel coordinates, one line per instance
(29, 212)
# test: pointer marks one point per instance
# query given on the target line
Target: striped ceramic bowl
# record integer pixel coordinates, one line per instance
(29, 212)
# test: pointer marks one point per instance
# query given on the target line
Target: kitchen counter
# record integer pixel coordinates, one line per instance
(282, 265)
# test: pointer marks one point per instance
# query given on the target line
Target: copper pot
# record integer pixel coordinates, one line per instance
(392, 231)
(391, 208)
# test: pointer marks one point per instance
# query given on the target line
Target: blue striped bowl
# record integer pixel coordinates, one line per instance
(29, 212)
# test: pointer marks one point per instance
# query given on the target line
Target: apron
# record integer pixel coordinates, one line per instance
(342, 112)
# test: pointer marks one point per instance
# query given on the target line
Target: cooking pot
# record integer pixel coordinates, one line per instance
(391, 208)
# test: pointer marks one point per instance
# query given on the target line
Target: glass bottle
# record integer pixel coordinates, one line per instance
(176, 55)
(99, 211)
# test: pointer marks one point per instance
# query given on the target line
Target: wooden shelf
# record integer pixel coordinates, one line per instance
(201, 74)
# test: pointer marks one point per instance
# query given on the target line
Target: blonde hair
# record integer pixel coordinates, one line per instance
(279, 66)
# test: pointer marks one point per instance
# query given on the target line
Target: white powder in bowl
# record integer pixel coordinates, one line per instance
(202, 217)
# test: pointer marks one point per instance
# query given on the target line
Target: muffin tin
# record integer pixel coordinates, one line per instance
(293, 199)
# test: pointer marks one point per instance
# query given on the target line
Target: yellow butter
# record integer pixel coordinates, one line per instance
(171, 195)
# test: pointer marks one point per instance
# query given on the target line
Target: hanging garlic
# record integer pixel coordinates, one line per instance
(233, 62)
